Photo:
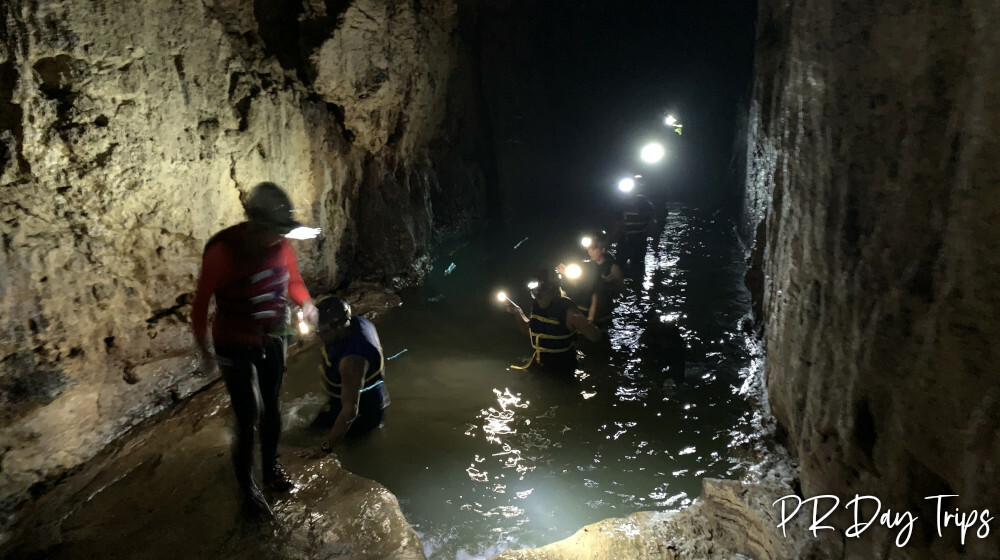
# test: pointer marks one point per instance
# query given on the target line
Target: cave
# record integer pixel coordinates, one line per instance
(817, 287)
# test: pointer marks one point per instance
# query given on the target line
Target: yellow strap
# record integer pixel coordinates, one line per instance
(554, 336)
(534, 356)
(536, 344)
(366, 380)
(527, 365)
(544, 319)
(327, 384)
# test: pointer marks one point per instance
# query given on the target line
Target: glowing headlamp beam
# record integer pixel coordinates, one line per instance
(652, 152)
(303, 233)
(626, 184)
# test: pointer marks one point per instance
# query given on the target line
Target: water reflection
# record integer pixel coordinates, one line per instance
(484, 458)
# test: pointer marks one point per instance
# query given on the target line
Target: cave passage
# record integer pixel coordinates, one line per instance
(485, 458)
(482, 458)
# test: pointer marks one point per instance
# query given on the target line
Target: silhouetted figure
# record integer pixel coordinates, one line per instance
(601, 281)
(635, 223)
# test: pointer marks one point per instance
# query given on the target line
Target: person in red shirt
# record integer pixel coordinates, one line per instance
(251, 270)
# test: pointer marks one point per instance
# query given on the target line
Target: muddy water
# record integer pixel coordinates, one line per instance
(484, 457)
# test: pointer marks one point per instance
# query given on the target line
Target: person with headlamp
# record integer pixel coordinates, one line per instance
(353, 374)
(609, 282)
(579, 282)
(552, 325)
(634, 223)
(251, 271)
(594, 283)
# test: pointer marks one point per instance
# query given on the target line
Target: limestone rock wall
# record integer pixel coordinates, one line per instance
(130, 130)
(874, 173)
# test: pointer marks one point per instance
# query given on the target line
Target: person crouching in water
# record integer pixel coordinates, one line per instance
(552, 325)
(353, 373)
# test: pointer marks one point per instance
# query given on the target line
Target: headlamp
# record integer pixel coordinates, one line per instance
(303, 232)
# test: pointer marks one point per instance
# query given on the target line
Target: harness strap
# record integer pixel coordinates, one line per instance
(544, 319)
(333, 389)
(537, 345)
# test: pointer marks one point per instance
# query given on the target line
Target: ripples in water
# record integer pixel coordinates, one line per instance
(485, 458)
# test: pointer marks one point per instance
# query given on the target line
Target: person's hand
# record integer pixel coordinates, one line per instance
(511, 307)
(310, 314)
(209, 364)
(561, 269)
(312, 454)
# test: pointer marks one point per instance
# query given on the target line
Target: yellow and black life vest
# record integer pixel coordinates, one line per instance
(549, 334)
(362, 341)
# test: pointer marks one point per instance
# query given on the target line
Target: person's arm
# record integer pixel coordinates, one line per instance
(522, 321)
(577, 322)
(352, 374)
(651, 226)
(297, 287)
(616, 278)
(212, 263)
(592, 312)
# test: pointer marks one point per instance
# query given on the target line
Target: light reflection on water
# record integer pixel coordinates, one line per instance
(485, 458)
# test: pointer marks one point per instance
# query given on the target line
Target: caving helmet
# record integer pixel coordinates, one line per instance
(268, 205)
(334, 313)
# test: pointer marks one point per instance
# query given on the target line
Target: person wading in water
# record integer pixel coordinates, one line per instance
(552, 325)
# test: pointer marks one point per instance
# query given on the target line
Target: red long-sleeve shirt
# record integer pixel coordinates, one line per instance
(250, 289)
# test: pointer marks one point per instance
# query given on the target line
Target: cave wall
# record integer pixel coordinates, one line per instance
(130, 130)
(873, 175)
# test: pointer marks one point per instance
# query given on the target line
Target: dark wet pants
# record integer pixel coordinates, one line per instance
(238, 364)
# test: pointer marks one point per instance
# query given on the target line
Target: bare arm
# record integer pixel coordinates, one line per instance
(352, 373)
(616, 278)
(577, 322)
(522, 321)
(212, 262)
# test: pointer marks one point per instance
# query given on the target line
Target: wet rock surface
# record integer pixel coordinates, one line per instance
(167, 490)
(730, 520)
